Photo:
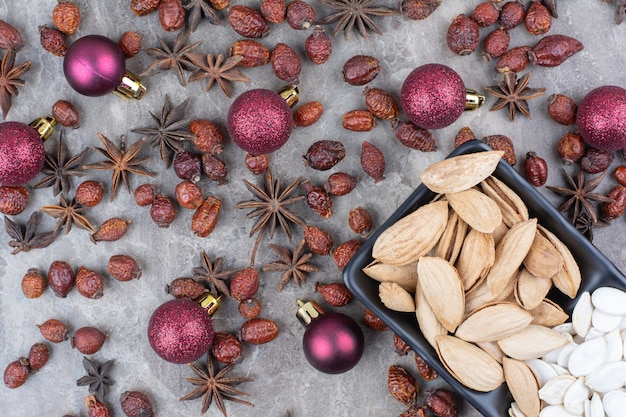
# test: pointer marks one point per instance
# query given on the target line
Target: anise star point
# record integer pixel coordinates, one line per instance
(217, 70)
(198, 8)
(10, 79)
(172, 58)
(68, 213)
(97, 377)
(515, 94)
(354, 14)
(59, 168)
(211, 274)
(26, 238)
(293, 264)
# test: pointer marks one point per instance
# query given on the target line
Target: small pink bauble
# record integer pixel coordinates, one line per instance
(94, 65)
(433, 96)
(22, 154)
(180, 331)
(260, 121)
(601, 118)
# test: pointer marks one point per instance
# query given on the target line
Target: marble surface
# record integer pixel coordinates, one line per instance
(282, 377)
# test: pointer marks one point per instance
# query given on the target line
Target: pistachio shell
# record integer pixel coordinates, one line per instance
(477, 255)
(403, 275)
(511, 205)
(452, 239)
(543, 259)
(549, 314)
(427, 321)
(531, 290)
(492, 349)
(532, 342)
(493, 322)
(476, 209)
(396, 298)
(522, 385)
(568, 279)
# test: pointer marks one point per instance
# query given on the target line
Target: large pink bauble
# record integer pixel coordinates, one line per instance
(180, 331)
(601, 118)
(433, 96)
(260, 121)
(94, 65)
(22, 154)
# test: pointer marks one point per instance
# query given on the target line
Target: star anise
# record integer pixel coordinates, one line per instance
(215, 69)
(26, 239)
(580, 196)
(10, 79)
(121, 162)
(68, 213)
(515, 94)
(196, 9)
(585, 225)
(60, 168)
(270, 207)
(167, 132)
(97, 377)
(215, 385)
(351, 13)
(292, 264)
(211, 273)
(166, 58)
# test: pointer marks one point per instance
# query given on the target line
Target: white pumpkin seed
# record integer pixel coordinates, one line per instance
(586, 357)
(608, 377)
(604, 322)
(514, 411)
(614, 346)
(596, 409)
(575, 397)
(610, 301)
(553, 392)
(581, 315)
(614, 403)
(556, 411)
(565, 353)
(542, 370)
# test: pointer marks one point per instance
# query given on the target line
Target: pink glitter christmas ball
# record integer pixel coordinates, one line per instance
(260, 121)
(22, 154)
(601, 118)
(433, 96)
(180, 331)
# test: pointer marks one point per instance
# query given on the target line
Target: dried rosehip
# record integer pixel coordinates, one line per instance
(372, 161)
(184, 288)
(66, 114)
(358, 121)
(308, 113)
(443, 403)
(257, 331)
(187, 166)
(205, 217)
(562, 109)
(273, 10)
(144, 194)
(188, 195)
(208, 137)
(463, 35)
(219, 4)
(171, 14)
(130, 43)
(415, 410)
(226, 348)
(538, 19)
(465, 134)
(89, 193)
(571, 148)
(111, 230)
(244, 284)
(88, 340)
(344, 252)
(512, 14)
(13, 200)
(425, 370)
(360, 69)
(613, 209)
(401, 347)
(250, 308)
(374, 322)
(536, 169)
(38, 356)
(89, 283)
(214, 168)
(418, 9)
(247, 22)
(340, 183)
(257, 164)
(33, 283)
(620, 175)
(336, 294)
(66, 16)
(514, 60)
(60, 278)
(380, 103)
(495, 44)
(96, 408)
(324, 154)
(123, 268)
(595, 160)
(136, 404)
(502, 143)
(52, 40)
(254, 53)
(54, 330)
(318, 46)
(318, 241)
(412, 136)
(360, 221)
(16, 373)
(485, 14)
(10, 37)
(162, 211)
(553, 50)
(286, 63)
(300, 15)
(402, 385)
(144, 7)
(318, 199)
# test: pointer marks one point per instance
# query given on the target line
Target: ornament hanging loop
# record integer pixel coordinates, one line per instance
(44, 126)
(209, 302)
(130, 87)
(473, 99)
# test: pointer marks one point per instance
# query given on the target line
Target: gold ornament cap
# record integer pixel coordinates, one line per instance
(473, 99)
(209, 302)
(130, 87)
(291, 94)
(44, 126)
(308, 311)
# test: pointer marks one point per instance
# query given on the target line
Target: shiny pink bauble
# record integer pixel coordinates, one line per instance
(180, 331)
(433, 96)
(94, 65)
(333, 343)
(260, 121)
(22, 154)
(601, 118)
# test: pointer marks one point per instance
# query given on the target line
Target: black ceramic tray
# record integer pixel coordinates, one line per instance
(595, 268)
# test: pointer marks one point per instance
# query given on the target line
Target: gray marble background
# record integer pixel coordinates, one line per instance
(282, 377)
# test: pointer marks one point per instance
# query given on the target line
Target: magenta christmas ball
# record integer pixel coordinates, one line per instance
(260, 121)
(94, 65)
(180, 331)
(22, 154)
(601, 118)
(433, 96)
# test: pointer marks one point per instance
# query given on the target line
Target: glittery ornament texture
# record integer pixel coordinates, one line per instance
(94, 65)
(260, 121)
(601, 118)
(180, 331)
(22, 153)
(433, 96)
